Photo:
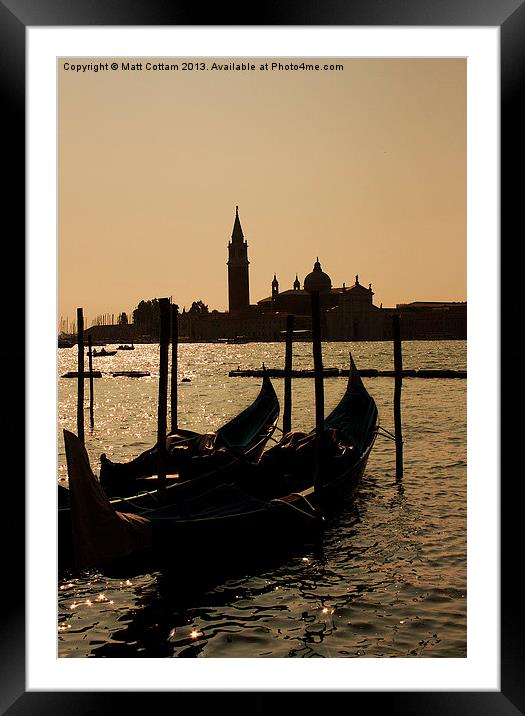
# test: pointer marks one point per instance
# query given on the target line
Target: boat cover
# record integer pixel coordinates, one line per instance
(100, 534)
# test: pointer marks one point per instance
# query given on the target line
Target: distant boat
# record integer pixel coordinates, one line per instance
(237, 339)
(126, 348)
(103, 352)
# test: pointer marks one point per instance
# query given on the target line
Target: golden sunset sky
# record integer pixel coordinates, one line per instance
(365, 168)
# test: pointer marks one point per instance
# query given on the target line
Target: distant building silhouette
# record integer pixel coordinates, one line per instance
(425, 320)
(297, 300)
(347, 313)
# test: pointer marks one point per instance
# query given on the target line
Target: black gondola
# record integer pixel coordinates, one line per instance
(266, 505)
(210, 456)
(102, 353)
(189, 454)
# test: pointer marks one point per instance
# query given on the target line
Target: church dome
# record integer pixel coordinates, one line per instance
(317, 280)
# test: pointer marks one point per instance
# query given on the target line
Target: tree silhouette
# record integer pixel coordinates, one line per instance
(146, 317)
(198, 308)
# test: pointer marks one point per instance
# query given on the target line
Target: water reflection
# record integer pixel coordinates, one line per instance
(285, 604)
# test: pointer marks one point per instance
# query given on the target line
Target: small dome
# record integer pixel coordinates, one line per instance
(317, 280)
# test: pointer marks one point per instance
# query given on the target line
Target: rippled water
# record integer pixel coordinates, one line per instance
(390, 576)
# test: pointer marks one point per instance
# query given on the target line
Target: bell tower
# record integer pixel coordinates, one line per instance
(275, 287)
(238, 280)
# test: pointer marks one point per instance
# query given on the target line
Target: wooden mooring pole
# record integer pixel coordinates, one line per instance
(164, 305)
(174, 366)
(90, 363)
(287, 409)
(319, 387)
(398, 381)
(80, 395)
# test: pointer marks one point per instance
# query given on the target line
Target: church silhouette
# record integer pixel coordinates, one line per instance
(347, 312)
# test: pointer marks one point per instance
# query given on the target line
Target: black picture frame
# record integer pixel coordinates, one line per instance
(15, 17)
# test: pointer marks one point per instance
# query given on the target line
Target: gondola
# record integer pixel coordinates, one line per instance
(189, 454)
(349, 434)
(270, 506)
(125, 347)
(103, 353)
(209, 457)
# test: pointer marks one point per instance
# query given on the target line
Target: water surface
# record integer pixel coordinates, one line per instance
(389, 578)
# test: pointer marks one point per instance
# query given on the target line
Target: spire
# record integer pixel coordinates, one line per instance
(275, 286)
(296, 283)
(237, 235)
(238, 278)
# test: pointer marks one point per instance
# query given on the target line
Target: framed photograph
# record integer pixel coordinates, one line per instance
(390, 121)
